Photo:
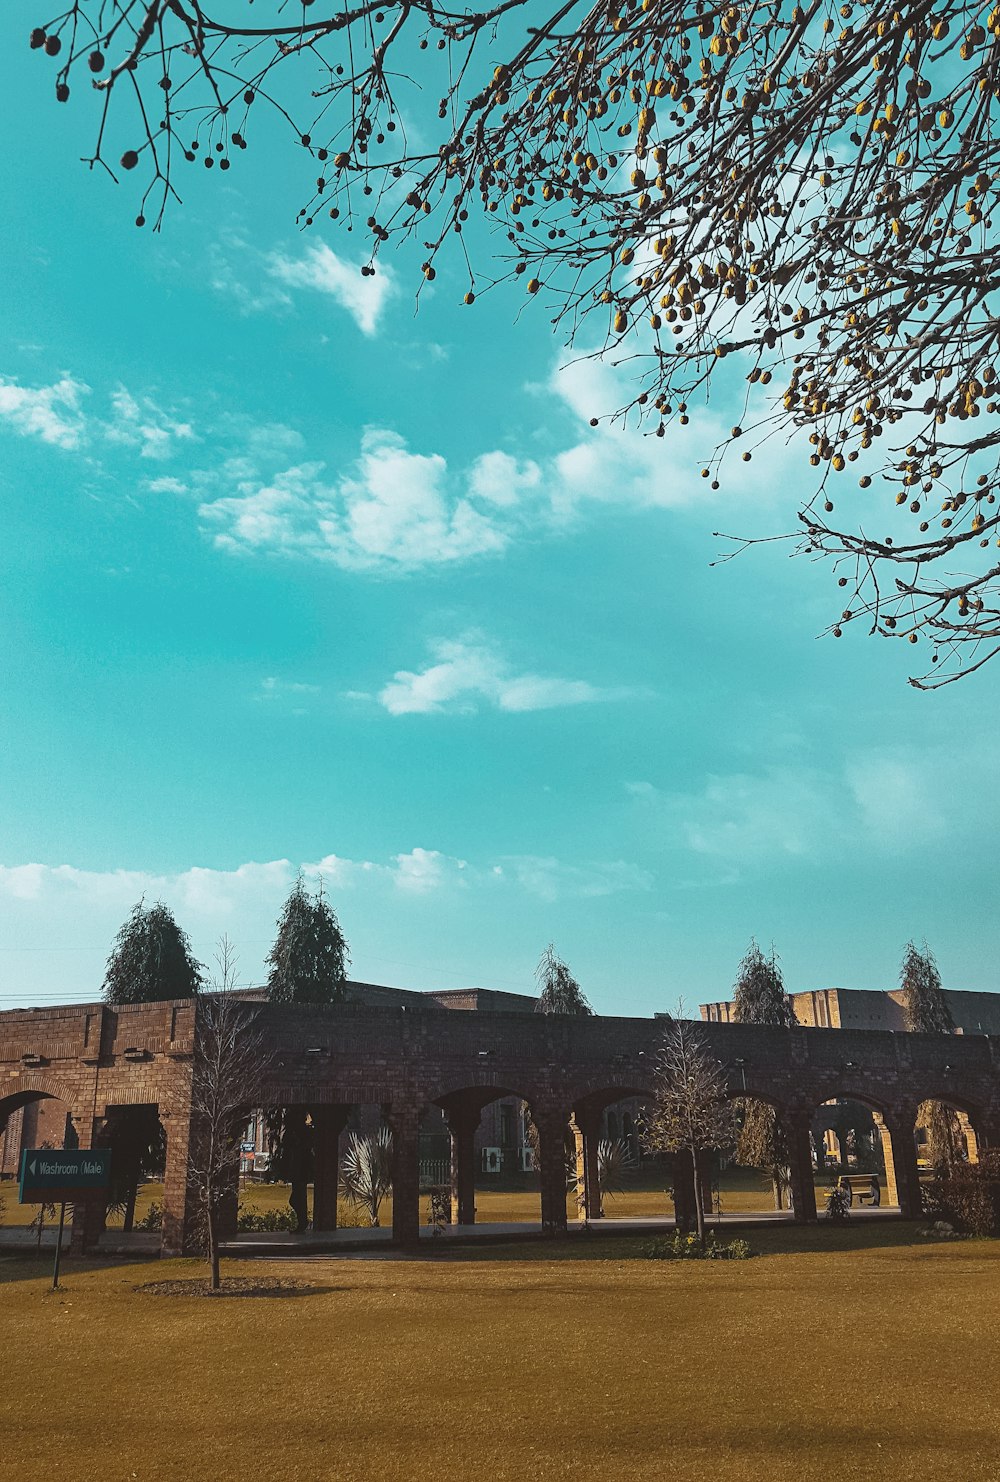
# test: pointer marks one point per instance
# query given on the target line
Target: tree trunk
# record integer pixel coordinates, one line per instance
(699, 1203)
(778, 1189)
(129, 1220)
(298, 1201)
(213, 1249)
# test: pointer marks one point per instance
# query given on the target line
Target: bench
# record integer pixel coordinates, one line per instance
(858, 1187)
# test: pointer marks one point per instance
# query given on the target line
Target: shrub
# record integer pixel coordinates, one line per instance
(687, 1247)
(969, 1196)
(152, 1219)
(838, 1205)
(251, 1221)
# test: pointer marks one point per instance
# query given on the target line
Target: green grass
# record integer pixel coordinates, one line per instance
(864, 1352)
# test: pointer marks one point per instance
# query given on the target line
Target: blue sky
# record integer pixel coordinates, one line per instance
(294, 574)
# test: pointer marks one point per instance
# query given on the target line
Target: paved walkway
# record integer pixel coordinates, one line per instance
(14, 1238)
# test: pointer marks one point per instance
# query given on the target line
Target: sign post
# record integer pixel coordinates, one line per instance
(62, 1176)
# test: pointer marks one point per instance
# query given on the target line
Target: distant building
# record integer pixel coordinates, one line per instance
(858, 1008)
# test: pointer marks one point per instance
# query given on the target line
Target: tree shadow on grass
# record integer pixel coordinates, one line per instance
(29, 1266)
(765, 1240)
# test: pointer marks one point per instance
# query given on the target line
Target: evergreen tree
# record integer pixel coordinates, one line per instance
(151, 959)
(310, 957)
(927, 1012)
(559, 992)
(759, 995)
(924, 1003)
(308, 964)
(759, 998)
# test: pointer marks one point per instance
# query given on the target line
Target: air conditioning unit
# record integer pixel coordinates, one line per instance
(261, 1163)
(527, 1160)
(492, 1159)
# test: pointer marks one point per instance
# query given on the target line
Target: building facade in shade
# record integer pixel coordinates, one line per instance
(861, 1008)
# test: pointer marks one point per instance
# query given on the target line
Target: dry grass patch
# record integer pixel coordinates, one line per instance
(848, 1353)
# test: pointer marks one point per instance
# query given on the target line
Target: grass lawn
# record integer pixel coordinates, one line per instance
(862, 1352)
(741, 1189)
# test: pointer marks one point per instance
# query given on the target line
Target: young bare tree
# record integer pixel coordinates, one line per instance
(231, 1058)
(691, 1111)
(795, 201)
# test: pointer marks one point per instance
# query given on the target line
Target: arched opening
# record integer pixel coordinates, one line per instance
(858, 1148)
(616, 1176)
(493, 1157)
(755, 1176)
(945, 1131)
(138, 1143)
(31, 1119)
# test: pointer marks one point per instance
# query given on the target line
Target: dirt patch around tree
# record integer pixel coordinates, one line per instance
(232, 1286)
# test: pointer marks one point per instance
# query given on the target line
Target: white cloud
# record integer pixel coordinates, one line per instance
(887, 803)
(629, 465)
(552, 880)
(145, 425)
(53, 413)
(899, 797)
(469, 672)
(499, 479)
(273, 688)
(166, 484)
(320, 269)
(394, 510)
(207, 896)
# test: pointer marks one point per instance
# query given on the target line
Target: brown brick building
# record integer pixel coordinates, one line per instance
(857, 1008)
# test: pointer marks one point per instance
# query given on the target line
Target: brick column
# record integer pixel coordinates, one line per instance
(405, 1124)
(179, 1234)
(551, 1127)
(797, 1127)
(902, 1178)
(328, 1123)
(89, 1215)
(462, 1124)
(586, 1128)
(969, 1136)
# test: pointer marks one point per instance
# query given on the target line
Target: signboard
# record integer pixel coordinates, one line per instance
(58, 1175)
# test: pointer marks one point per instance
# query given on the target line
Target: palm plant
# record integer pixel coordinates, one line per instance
(615, 1161)
(366, 1171)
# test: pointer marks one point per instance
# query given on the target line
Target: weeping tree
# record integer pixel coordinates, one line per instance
(759, 998)
(307, 965)
(926, 1011)
(558, 993)
(792, 205)
(366, 1171)
(558, 990)
(151, 960)
(691, 1111)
